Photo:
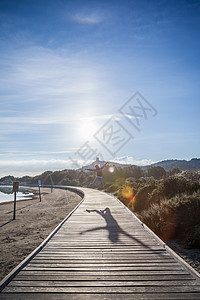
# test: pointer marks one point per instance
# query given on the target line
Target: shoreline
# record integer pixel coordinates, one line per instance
(30, 197)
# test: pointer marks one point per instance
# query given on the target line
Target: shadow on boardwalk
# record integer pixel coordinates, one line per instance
(113, 228)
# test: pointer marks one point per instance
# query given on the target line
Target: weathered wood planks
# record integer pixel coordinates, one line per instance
(102, 251)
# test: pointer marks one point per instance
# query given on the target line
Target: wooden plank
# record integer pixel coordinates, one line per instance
(57, 296)
(85, 296)
(100, 283)
(107, 272)
(102, 290)
(82, 260)
(104, 268)
(60, 296)
(75, 264)
(95, 277)
(113, 251)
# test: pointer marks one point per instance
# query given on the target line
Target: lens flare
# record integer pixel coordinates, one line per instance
(128, 193)
(111, 169)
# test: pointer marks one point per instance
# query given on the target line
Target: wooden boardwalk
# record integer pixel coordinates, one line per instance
(102, 251)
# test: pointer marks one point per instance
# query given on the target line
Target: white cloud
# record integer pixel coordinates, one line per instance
(88, 19)
(38, 73)
(98, 117)
(32, 167)
(132, 161)
(51, 119)
(11, 151)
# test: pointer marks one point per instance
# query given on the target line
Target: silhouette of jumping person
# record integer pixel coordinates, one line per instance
(113, 228)
(99, 171)
(111, 224)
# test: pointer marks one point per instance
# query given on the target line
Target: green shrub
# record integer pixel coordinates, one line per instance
(119, 181)
(160, 218)
(187, 213)
(142, 197)
(196, 237)
(170, 206)
(111, 188)
(157, 172)
(176, 185)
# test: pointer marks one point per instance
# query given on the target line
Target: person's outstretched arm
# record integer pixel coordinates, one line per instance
(104, 165)
(91, 169)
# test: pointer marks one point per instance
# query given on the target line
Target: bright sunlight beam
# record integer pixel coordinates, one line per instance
(88, 127)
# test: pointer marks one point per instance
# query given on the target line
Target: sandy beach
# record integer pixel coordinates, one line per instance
(35, 220)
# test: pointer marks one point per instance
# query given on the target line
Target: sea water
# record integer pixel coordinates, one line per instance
(6, 193)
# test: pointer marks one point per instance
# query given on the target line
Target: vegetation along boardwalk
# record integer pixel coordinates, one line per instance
(102, 251)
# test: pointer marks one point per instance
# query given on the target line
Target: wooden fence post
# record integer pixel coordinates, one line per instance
(15, 190)
(39, 184)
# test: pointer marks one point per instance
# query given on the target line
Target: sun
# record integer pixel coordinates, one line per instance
(88, 128)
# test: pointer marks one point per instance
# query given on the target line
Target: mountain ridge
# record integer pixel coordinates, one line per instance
(191, 165)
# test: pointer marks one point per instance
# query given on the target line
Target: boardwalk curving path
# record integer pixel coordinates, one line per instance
(102, 251)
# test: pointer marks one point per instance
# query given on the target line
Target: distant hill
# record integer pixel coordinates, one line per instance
(192, 165)
(74, 177)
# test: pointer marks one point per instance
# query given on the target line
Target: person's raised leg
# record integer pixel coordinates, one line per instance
(93, 182)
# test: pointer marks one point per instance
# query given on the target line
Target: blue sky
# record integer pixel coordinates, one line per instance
(67, 67)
